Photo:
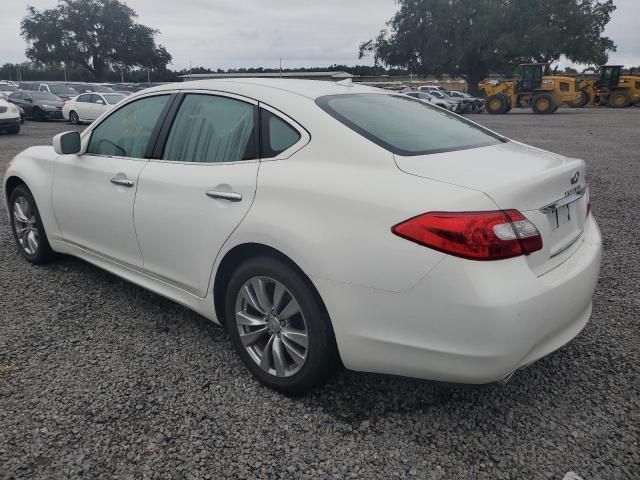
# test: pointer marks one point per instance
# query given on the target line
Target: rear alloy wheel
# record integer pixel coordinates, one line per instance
(543, 104)
(73, 118)
(278, 327)
(27, 228)
(619, 99)
(497, 104)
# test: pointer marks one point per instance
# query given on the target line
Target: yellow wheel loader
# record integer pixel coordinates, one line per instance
(542, 93)
(611, 89)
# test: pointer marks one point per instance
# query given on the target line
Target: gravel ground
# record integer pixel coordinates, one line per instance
(102, 379)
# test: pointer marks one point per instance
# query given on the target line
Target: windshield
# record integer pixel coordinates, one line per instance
(113, 98)
(405, 126)
(62, 90)
(44, 96)
(436, 93)
(7, 88)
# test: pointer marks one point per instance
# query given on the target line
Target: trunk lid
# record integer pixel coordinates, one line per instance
(517, 176)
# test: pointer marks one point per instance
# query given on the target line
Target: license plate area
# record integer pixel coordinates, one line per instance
(566, 224)
(562, 217)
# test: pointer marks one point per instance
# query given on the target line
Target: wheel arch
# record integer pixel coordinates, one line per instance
(10, 183)
(236, 256)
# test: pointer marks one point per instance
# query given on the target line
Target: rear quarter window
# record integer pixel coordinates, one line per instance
(406, 126)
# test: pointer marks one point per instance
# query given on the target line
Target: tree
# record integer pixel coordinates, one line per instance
(97, 35)
(472, 38)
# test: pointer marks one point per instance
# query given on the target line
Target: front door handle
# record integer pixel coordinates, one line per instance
(231, 196)
(123, 182)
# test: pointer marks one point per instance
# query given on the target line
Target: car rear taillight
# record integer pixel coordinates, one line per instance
(474, 235)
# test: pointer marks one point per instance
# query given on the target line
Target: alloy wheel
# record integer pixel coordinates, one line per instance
(272, 326)
(25, 223)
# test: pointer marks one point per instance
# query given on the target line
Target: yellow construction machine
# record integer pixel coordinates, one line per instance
(611, 89)
(543, 93)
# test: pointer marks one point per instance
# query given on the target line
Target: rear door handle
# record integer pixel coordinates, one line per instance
(231, 196)
(123, 182)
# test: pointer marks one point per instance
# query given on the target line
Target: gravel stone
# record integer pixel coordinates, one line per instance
(105, 380)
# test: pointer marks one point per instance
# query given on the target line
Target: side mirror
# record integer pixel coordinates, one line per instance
(29, 100)
(99, 102)
(67, 143)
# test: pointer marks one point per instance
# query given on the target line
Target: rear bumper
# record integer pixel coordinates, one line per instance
(466, 322)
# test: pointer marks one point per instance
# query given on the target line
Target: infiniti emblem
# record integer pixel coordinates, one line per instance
(575, 178)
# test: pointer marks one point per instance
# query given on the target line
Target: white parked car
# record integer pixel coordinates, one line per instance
(323, 222)
(440, 102)
(430, 88)
(89, 106)
(9, 117)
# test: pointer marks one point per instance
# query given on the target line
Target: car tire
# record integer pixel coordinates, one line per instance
(289, 349)
(584, 99)
(74, 118)
(33, 243)
(497, 104)
(619, 99)
(15, 129)
(543, 104)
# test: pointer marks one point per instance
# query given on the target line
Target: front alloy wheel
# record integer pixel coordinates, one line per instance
(26, 224)
(271, 326)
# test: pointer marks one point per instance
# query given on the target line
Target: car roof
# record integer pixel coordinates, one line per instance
(257, 87)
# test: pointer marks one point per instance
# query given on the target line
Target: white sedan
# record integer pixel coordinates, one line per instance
(89, 106)
(324, 222)
(9, 117)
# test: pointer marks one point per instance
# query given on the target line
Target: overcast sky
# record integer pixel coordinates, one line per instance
(250, 33)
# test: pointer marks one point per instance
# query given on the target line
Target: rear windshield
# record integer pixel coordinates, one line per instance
(404, 125)
(113, 98)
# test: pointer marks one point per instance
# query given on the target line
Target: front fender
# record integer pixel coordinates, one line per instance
(35, 168)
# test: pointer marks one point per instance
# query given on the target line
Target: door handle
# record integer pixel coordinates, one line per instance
(231, 196)
(123, 182)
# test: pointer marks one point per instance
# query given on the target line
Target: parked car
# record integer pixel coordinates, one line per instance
(440, 102)
(38, 105)
(89, 106)
(477, 102)
(7, 89)
(59, 89)
(464, 105)
(9, 117)
(91, 87)
(324, 222)
(430, 88)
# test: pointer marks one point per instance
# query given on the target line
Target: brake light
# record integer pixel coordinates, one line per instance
(491, 235)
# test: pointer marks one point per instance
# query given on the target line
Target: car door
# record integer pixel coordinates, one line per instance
(93, 192)
(198, 189)
(82, 106)
(99, 105)
(26, 102)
